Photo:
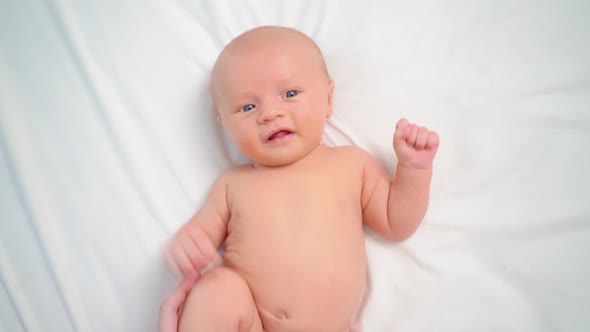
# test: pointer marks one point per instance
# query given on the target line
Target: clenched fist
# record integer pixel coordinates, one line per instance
(414, 146)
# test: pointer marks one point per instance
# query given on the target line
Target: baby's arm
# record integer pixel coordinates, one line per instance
(194, 250)
(395, 207)
(194, 247)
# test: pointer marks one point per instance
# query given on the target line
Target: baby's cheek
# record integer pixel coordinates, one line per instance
(246, 143)
(235, 132)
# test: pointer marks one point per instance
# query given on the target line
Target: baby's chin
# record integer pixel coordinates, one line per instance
(280, 159)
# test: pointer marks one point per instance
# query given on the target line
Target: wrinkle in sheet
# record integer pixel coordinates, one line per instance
(321, 10)
(47, 242)
(204, 43)
(8, 280)
(520, 263)
(95, 81)
(486, 24)
(550, 228)
(337, 134)
(16, 166)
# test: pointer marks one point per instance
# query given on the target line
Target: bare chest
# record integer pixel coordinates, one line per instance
(296, 206)
(296, 223)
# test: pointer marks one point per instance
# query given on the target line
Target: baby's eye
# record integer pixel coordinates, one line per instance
(291, 93)
(247, 108)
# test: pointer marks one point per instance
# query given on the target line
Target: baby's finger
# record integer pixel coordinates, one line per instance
(207, 250)
(413, 129)
(433, 141)
(182, 260)
(402, 123)
(401, 130)
(421, 138)
(170, 261)
(192, 251)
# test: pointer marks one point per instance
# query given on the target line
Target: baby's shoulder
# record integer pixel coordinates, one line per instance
(351, 153)
(235, 172)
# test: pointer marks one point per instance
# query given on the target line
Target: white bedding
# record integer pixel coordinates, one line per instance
(108, 144)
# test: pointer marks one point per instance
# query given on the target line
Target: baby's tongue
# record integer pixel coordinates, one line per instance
(279, 134)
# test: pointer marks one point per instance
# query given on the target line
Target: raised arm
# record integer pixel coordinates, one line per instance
(394, 208)
(194, 247)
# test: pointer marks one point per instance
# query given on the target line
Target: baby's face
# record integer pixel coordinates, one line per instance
(273, 100)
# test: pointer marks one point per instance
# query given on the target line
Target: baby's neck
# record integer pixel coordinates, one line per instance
(310, 157)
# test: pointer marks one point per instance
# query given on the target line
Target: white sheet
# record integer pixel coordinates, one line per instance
(108, 144)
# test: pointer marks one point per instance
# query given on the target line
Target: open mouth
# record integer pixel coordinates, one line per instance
(277, 135)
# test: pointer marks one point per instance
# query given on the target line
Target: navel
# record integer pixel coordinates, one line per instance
(282, 315)
(277, 314)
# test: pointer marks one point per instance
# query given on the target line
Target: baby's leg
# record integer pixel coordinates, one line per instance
(220, 301)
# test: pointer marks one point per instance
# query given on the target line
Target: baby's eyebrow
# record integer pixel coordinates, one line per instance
(285, 81)
(244, 95)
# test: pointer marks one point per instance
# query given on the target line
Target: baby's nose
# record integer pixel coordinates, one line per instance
(270, 113)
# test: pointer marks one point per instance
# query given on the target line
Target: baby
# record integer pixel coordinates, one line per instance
(292, 220)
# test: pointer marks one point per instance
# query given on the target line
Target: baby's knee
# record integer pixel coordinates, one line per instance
(221, 295)
(222, 282)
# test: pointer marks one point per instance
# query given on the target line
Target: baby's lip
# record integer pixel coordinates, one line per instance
(277, 133)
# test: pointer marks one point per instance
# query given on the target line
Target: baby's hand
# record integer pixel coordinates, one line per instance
(414, 146)
(191, 252)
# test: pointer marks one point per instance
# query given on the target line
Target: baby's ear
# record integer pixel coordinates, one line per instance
(330, 98)
(216, 112)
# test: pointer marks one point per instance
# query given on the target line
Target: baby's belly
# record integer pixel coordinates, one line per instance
(314, 282)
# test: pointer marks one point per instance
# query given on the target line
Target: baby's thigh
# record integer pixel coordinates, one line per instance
(220, 301)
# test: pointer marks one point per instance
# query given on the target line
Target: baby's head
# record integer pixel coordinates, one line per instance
(273, 94)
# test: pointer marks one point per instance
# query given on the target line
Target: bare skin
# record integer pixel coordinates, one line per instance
(294, 256)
